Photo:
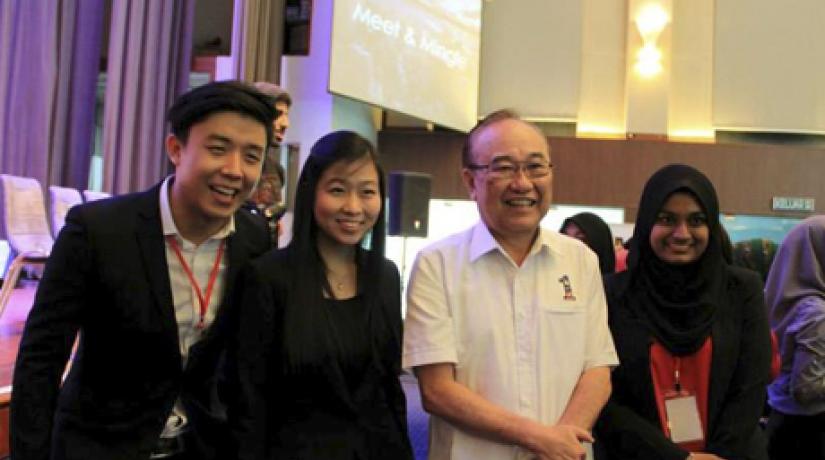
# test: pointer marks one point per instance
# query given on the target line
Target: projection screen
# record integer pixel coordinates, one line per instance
(418, 57)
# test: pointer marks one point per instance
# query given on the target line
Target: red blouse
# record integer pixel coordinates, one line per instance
(694, 377)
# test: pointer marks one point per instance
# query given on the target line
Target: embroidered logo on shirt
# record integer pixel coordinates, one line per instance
(568, 289)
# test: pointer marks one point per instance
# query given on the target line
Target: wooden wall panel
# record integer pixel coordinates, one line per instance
(434, 153)
(612, 172)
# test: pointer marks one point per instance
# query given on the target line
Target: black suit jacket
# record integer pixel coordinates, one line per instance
(629, 426)
(314, 415)
(107, 278)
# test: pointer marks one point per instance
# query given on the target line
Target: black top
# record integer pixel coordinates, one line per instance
(346, 405)
(349, 319)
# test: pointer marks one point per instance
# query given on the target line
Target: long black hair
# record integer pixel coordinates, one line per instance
(306, 340)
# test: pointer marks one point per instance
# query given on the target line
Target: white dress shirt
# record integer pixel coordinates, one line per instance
(201, 259)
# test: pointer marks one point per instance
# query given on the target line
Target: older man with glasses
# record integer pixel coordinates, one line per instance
(506, 323)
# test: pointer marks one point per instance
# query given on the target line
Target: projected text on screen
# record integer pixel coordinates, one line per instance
(414, 56)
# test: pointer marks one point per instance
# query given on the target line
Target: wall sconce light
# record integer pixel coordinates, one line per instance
(650, 21)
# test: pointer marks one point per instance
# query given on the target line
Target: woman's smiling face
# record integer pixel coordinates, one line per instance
(680, 232)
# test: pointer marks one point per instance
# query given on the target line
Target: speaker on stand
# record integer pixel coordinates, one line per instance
(409, 208)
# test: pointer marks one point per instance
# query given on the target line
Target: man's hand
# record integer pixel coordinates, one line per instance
(561, 442)
(442, 396)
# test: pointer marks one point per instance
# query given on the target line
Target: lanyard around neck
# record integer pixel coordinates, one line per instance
(203, 300)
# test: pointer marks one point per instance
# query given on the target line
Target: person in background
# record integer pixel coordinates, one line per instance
(267, 199)
(595, 233)
(506, 322)
(795, 292)
(143, 279)
(282, 103)
(269, 192)
(691, 331)
(756, 254)
(727, 246)
(621, 254)
(318, 347)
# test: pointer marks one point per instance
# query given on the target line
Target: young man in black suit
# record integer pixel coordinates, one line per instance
(143, 278)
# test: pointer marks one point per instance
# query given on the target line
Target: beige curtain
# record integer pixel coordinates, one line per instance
(49, 55)
(257, 39)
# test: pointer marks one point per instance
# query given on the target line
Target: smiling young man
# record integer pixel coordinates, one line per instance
(506, 324)
(143, 279)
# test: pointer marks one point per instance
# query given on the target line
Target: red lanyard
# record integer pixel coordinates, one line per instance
(202, 300)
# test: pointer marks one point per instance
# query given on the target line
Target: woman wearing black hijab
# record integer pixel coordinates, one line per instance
(691, 332)
(594, 232)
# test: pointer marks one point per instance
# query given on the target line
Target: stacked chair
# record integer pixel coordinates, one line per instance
(91, 195)
(62, 199)
(23, 224)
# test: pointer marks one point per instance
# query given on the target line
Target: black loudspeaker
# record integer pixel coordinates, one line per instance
(409, 208)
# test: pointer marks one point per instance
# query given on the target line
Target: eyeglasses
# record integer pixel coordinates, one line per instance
(507, 169)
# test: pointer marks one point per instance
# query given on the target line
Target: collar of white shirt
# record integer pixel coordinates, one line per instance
(168, 223)
(482, 242)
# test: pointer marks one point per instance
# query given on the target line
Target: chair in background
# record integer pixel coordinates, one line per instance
(91, 195)
(23, 224)
(61, 199)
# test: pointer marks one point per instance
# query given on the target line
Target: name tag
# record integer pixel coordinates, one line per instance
(683, 419)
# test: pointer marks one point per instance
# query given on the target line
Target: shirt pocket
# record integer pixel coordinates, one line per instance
(567, 308)
(562, 338)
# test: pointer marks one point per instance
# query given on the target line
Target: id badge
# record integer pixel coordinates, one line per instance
(683, 418)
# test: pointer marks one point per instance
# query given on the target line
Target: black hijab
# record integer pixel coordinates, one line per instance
(677, 302)
(599, 238)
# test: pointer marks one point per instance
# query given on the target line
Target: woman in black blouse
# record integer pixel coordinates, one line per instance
(317, 352)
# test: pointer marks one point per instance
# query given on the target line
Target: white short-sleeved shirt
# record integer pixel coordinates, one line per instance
(518, 336)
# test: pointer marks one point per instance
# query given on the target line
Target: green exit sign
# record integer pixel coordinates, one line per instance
(791, 203)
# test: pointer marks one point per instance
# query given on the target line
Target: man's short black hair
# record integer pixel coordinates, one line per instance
(202, 102)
